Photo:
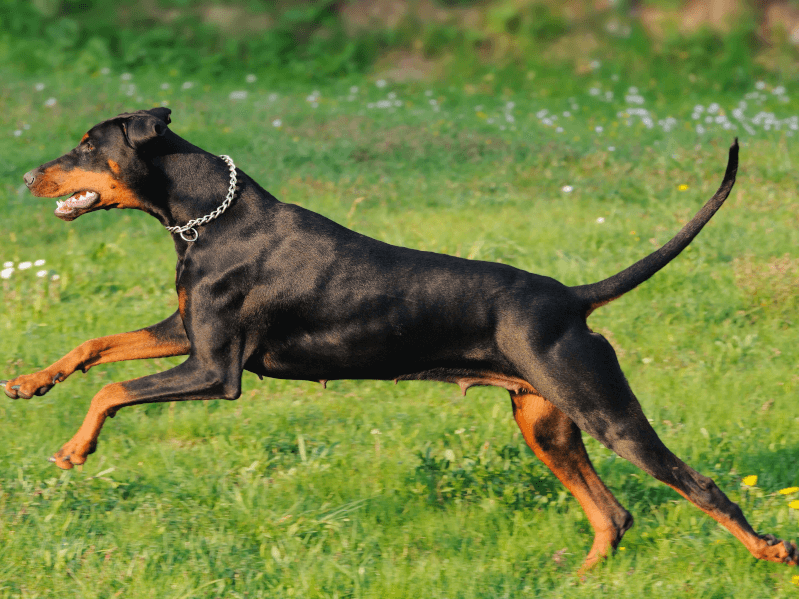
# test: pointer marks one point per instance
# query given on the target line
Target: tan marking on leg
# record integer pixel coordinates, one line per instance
(558, 443)
(137, 345)
(757, 545)
(84, 442)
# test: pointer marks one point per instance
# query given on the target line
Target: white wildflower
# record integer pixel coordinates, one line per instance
(41, 273)
(567, 189)
(50, 102)
(600, 220)
(6, 273)
(449, 455)
(38, 262)
(25, 265)
(277, 123)
(251, 78)
(238, 95)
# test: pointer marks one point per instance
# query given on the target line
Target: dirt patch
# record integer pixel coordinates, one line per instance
(400, 66)
(780, 20)
(720, 15)
(233, 20)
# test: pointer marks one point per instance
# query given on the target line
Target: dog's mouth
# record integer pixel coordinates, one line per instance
(76, 204)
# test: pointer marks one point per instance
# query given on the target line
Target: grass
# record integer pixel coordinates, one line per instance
(367, 489)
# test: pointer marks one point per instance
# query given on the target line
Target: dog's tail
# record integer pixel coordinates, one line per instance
(603, 292)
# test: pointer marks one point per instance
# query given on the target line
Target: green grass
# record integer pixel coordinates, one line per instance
(291, 491)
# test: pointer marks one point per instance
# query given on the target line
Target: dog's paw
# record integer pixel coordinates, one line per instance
(73, 453)
(28, 385)
(777, 550)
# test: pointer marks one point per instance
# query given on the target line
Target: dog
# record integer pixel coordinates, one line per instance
(284, 292)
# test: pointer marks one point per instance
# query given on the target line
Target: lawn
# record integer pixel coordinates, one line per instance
(367, 489)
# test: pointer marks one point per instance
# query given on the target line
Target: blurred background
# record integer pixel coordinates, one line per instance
(406, 39)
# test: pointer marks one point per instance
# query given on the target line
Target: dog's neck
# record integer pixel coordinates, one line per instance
(180, 194)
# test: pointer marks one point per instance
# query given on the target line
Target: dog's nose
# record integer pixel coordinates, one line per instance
(29, 177)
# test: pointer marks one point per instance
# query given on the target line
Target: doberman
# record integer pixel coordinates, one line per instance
(283, 292)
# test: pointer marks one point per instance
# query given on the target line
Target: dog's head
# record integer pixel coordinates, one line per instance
(105, 169)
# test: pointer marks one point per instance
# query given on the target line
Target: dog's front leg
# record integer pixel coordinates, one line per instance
(202, 376)
(167, 338)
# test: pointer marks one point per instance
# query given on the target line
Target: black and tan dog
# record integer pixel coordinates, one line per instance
(284, 292)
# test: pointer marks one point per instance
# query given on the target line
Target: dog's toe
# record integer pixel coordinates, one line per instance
(9, 392)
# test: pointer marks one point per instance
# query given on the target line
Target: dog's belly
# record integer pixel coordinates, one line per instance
(471, 368)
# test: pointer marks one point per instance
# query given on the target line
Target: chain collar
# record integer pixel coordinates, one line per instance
(189, 226)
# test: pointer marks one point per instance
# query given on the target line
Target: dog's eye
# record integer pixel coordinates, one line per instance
(89, 146)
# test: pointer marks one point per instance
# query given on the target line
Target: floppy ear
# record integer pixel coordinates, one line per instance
(145, 126)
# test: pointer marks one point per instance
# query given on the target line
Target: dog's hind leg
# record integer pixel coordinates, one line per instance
(558, 442)
(579, 373)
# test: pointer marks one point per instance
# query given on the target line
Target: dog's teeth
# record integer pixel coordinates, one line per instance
(59, 203)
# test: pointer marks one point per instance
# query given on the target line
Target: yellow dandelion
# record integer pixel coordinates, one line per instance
(481, 115)
(682, 187)
(789, 490)
(795, 580)
(794, 504)
(750, 481)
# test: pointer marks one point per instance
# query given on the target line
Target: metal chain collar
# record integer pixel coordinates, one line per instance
(189, 226)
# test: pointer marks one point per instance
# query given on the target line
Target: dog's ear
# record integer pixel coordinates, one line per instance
(146, 125)
(161, 113)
